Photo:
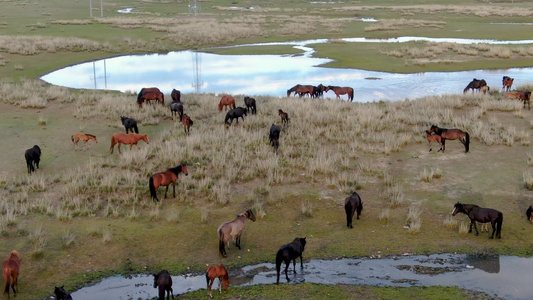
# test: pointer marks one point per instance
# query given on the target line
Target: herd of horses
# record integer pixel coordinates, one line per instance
(318, 91)
(480, 85)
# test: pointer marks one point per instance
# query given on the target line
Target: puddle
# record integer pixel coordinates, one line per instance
(125, 10)
(503, 276)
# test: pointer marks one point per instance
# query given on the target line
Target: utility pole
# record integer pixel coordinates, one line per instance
(91, 8)
(194, 7)
(197, 80)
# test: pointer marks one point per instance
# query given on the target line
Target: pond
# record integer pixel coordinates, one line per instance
(508, 277)
(272, 75)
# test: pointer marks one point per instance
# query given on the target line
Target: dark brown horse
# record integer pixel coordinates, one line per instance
(529, 213)
(225, 102)
(175, 95)
(130, 124)
(522, 96)
(300, 90)
(284, 117)
(475, 84)
(10, 269)
(433, 138)
(61, 293)
(451, 134)
(507, 83)
(233, 229)
(482, 215)
(352, 204)
(33, 157)
(341, 91)
(85, 137)
(163, 282)
(289, 252)
(165, 179)
(187, 123)
(250, 105)
(273, 136)
(176, 107)
(130, 139)
(219, 272)
(147, 94)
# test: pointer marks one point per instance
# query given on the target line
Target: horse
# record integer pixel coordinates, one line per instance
(219, 272)
(289, 252)
(233, 229)
(235, 113)
(163, 282)
(187, 123)
(484, 89)
(301, 90)
(451, 134)
(85, 137)
(61, 293)
(523, 96)
(176, 107)
(284, 117)
(341, 91)
(475, 84)
(318, 91)
(352, 204)
(11, 268)
(151, 93)
(124, 138)
(507, 83)
(433, 138)
(175, 95)
(528, 213)
(250, 105)
(482, 215)
(130, 124)
(273, 136)
(226, 101)
(33, 157)
(165, 179)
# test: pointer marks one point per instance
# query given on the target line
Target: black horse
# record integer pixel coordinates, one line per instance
(176, 95)
(235, 113)
(528, 213)
(250, 105)
(351, 204)
(33, 157)
(176, 107)
(61, 293)
(290, 252)
(475, 84)
(130, 124)
(482, 215)
(273, 136)
(163, 282)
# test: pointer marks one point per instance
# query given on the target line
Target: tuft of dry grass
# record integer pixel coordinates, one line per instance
(450, 223)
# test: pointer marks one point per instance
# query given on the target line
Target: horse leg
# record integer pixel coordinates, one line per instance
(443, 143)
(166, 191)
(493, 229)
(174, 189)
(211, 280)
(238, 242)
(287, 267)
(118, 147)
(220, 285)
(475, 227)
(301, 261)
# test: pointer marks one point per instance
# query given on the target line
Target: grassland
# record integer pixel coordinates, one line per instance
(89, 215)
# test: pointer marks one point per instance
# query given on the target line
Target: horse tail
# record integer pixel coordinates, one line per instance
(151, 185)
(162, 99)
(113, 142)
(190, 122)
(499, 222)
(221, 244)
(467, 142)
(136, 128)
(528, 212)
(72, 138)
(7, 277)
(279, 259)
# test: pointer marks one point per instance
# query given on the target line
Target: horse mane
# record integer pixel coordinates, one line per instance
(87, 134)
(14, 253)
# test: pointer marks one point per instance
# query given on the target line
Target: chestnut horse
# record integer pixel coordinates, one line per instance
(163, 282)
(284, 117)
(85, 137)
(187, 123)
(233, 229)
(523, 96)
(507, 83)
(482, 215)
(123, 138)
(148, 94)
(11, 268)
(226, 101)
(352, 204)
(433, 138)
(301, 90)
(165, 179)
(451, 134)
(219, 272)
(341, 91)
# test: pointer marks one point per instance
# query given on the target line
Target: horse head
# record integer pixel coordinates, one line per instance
(250, 214)
(458, 207)
(184, 169)
(145, 138)
(303, 242)
(156, 277)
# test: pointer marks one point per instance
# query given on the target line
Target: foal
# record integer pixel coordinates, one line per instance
(219, 272)
(163, 282)
(187, 123)
(84, 137)
(433, 138)
(11, 268)
(284, 117)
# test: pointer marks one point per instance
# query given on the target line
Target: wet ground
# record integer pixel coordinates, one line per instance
(500, 276)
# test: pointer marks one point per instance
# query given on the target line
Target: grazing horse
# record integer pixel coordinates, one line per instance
(130, 124)
(507, 83)
(528, 213)
(289, 252)
(33, 157)
(235, 113)
(163, 282)
(433, 138)
(187, 123)
(318, 91)
(284, 117)
(61, 293)
(219, 272)
(341, 91)
(352, 204)
(482, 215)
(165, 179)
(175, 95)
(152, 93)
(124, 138)
(484, 89)
(225, 102)
(176, 107)
(475, 84)
(451, 134)
(10, 269)
(523, 96)
(273, 136)
(233, 229)
(84, 137)
(301, 90)
(250, 105)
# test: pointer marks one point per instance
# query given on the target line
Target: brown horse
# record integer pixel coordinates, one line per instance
(123, 138)
(84, 137)
(301, 90)
(163, 283)
(233, 229)
(175, 95)
(484, 89)
(165, 179)
(451, 134)
(226, 101)
(529, 214)
(507, 83)
(522, 96)
(187, 123)
(481, 215)
(149, 94)
(475, 84)
(11, 268)
(284, 117)
(341, 91)
(219, 272)
(433, 138)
